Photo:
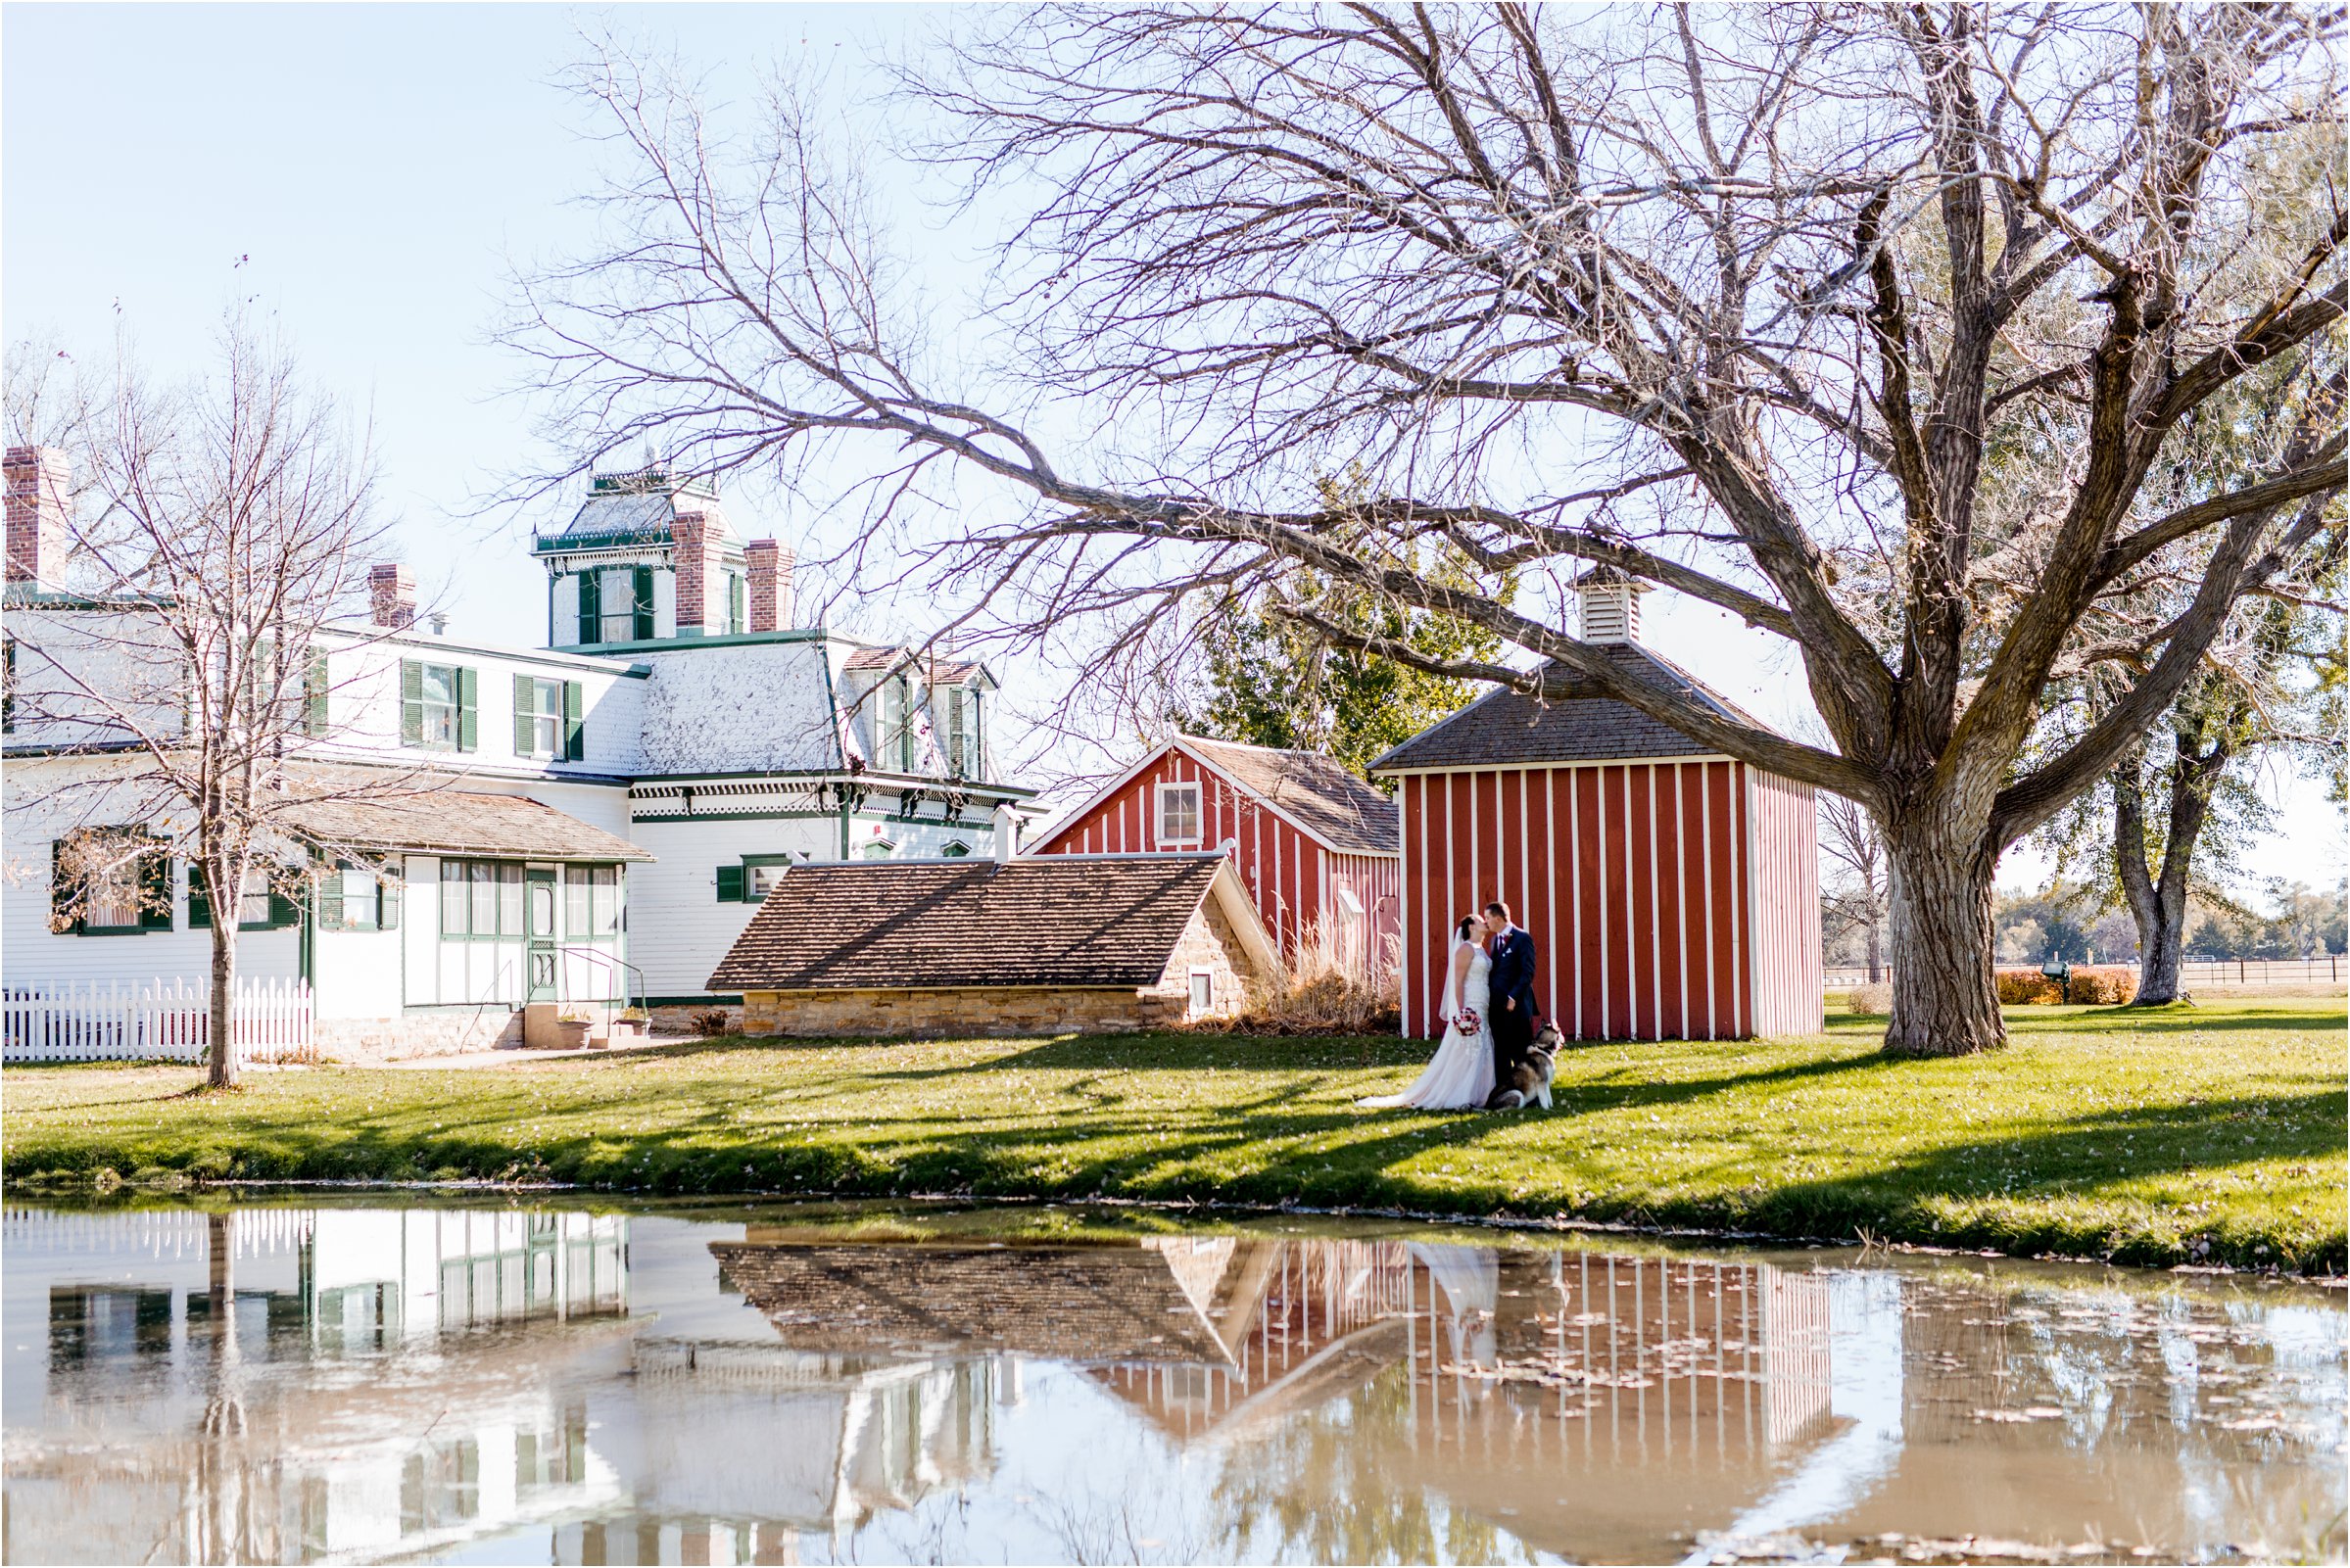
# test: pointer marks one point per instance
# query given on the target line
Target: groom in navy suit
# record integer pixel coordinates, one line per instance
(1510, 990)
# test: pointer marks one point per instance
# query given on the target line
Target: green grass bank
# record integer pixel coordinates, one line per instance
(2214, 1133)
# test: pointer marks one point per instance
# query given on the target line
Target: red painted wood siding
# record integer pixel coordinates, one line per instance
(1640, 883)
(1290, 877)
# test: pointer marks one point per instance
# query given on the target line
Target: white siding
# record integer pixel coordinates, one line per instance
(678, 930)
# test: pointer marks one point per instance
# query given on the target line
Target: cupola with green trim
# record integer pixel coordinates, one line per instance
(648, 557)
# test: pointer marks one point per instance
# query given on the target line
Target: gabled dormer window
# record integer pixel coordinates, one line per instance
(1179, 814)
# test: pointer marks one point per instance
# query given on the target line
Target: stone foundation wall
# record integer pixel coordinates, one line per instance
(680, 1020)
(389, 1039)
(933, 1015)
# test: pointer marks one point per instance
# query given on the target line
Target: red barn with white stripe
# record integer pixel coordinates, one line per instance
(1672, 892)
(1310, 840)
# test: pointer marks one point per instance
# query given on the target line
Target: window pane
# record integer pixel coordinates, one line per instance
(578, 904)
(607, 900)
(485, 898)
(440, 685)
(113, 895)
(253, 908)
(453, 898)
(509, 899)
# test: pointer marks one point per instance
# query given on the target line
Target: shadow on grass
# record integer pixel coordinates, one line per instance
(2315, 1017)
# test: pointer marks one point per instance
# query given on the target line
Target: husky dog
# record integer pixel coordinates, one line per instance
(1529, 1080)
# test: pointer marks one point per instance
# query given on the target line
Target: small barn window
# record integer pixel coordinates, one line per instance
(1179, 814)
(1203, 991)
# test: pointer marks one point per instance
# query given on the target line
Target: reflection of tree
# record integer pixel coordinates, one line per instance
(1315, 1479)
(221, 1517)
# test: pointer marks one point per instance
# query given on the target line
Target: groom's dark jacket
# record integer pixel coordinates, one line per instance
(1514, 971)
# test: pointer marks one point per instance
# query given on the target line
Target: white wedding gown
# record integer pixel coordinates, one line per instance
(1460, 1075)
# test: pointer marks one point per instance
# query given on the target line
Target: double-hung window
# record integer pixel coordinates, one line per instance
(615, 604)
(547, 720)
(263, 903)
(438, 703)
(1179, 815)
(110, 881)
(354, 898)
(963, 755)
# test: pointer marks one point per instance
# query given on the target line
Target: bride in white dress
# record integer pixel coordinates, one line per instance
(1460, 1075)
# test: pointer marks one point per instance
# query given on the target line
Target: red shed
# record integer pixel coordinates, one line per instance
(1309, 838)
(1672, 891)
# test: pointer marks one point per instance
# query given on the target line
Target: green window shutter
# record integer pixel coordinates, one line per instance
(526, 702)
(314, 696)
(575, 720)
(64, 918)
(590, 607)
(730, 884)
(640, 590)
(468, 707)
(283, 911)
(155, 892)
(200, 903)
(411, 703)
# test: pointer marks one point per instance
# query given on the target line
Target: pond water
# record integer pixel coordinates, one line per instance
(494, 1382)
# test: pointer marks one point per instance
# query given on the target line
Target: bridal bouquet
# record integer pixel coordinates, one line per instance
(1467, 1020)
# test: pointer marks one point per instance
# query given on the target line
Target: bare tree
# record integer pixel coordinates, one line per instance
(1855, 854)
(166, 681)
(1736, 298)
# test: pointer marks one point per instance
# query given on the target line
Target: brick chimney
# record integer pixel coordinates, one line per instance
(700, 574)
(39, 481)
(393, 593)
(770, 568)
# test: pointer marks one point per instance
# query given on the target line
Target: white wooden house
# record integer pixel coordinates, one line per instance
(592, 822)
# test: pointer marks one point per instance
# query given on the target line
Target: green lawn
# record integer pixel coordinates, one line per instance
(2143, 1138)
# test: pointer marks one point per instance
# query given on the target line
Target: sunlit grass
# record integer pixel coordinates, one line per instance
(2214, 1133)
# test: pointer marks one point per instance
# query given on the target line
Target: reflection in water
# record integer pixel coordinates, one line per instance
(354, 1384)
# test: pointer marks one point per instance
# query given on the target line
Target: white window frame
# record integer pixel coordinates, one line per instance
(1163, 793)
(1193, 1006)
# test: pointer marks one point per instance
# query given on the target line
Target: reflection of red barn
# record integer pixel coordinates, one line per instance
(1672, 892)
(1311, 840)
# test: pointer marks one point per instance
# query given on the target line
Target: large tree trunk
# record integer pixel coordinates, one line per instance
(1940, 886)
(2158, 904)
(1876, 946)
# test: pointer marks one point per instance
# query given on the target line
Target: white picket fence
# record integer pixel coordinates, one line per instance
(117, 1020)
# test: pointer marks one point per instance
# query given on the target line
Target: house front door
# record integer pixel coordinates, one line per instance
(543, 962)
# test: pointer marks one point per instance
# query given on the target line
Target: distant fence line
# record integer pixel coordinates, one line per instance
(117, 1020)
(2330, 968)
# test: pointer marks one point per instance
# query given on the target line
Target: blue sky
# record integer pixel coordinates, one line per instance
(363, 172)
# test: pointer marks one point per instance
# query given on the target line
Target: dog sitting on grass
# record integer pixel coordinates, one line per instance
(1529, 1080)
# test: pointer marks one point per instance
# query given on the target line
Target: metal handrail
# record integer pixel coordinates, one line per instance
(602, 957)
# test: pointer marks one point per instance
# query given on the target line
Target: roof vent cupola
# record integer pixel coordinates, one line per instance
(1607, 605)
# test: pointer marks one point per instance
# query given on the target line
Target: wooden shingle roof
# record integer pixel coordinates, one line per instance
(458, 822)
(1506, 728)
(1094, 1303)
(1060, 921)
(1314, 792)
